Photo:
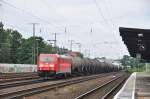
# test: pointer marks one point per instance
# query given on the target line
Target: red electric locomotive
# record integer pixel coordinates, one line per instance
(52, 65)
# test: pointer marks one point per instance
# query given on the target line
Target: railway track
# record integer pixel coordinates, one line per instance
(16, 75)
(19, 83)
(27, 92)
(22, 82)
(15, 79)
(4, 78)
(104, 91)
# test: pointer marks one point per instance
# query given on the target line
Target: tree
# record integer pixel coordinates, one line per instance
(125, 60)
(130, 61)
(16, 49)
(15, 46)
(5, 46)
(27, 49)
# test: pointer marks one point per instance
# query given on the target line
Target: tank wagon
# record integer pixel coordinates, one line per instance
(53, 65)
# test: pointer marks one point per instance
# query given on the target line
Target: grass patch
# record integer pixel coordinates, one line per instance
(135, 69)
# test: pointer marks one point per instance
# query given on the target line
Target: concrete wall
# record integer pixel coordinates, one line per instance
(17, 68)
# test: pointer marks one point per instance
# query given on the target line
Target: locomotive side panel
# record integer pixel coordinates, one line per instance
(64, 65)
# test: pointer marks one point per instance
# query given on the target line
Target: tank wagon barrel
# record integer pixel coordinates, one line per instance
(77, 65)
(91, 66)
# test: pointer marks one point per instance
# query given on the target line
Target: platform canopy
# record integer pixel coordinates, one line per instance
(137, 42)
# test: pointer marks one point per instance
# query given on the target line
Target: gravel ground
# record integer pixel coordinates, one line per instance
(17, 77)
(18, 88)
(71, 91)
(14, 89)
(98, 94)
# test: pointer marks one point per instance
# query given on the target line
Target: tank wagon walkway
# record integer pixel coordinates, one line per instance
(136, 87)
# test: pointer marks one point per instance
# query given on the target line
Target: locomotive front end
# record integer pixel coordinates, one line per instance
(47, 65)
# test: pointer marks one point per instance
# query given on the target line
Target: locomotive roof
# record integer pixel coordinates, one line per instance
(56, 55)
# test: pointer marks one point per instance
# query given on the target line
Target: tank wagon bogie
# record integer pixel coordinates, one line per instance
(53, 65)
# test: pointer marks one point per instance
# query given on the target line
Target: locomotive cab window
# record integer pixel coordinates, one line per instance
(47, 59)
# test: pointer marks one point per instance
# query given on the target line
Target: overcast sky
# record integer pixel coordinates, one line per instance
(93, 23)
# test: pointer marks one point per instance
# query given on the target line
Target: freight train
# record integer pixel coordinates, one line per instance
(55, 65)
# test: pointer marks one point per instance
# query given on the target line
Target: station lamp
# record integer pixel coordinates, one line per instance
(140, 35)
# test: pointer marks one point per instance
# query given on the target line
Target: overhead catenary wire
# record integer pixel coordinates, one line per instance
(60, 15)
(14, 26)
(0, 3)
(112, 23)
(49, 7)
(108, 11)
(8, 24)
(28, 13)
(101, 13)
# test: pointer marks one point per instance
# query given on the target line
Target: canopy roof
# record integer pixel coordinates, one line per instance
(137, 41)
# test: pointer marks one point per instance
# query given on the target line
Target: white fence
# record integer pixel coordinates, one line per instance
(147, 67)
(17, 68)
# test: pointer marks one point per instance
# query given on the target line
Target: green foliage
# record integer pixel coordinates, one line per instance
(80, 55)
(15, 46)
(136, 69)
(18, 50)
(5, 46)
(134, 63)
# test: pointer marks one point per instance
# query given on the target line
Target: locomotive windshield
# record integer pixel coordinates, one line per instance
(47, 59)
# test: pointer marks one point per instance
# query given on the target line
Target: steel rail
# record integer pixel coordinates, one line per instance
(18, 73)
(113, 89)
(97, 88)
(28, 92)
(6, 76)
(16, 79)
(21, 83)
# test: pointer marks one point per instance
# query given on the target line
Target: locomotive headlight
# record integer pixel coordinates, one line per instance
(41, 65)
(51, 65)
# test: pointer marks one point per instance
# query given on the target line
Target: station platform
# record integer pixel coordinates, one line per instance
(136, 87)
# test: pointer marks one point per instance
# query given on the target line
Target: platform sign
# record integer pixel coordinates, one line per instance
(138, 56)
